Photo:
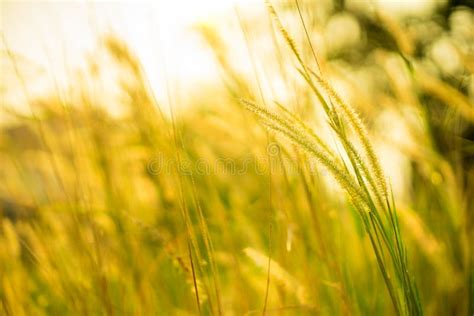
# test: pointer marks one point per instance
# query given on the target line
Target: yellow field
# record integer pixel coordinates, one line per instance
(320, 162)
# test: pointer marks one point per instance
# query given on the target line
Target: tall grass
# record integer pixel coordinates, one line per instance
(363, 180)
(242, 202)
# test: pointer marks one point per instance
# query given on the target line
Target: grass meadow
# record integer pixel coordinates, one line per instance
(328, 171)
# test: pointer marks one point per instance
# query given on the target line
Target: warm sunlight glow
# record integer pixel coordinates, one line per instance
(236, 157)
(58, 35)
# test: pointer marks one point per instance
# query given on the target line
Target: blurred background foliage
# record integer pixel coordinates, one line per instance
(112, 202)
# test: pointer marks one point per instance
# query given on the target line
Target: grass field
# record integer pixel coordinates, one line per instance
(331, 175)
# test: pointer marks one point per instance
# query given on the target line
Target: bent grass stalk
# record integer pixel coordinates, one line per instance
(365, 184)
